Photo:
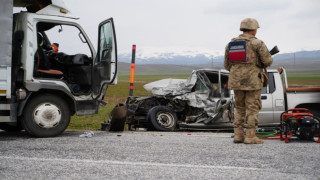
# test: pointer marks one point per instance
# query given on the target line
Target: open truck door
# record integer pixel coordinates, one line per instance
(105, 66)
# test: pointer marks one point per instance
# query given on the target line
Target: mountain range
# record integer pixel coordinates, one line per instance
(206, 58)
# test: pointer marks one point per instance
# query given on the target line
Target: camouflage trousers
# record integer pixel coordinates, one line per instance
(248, 105)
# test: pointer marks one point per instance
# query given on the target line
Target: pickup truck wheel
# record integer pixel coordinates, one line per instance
(46, 116)
(312, 108)
(315, 112)
(162, 118)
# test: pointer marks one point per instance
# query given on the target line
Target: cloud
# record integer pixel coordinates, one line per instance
(293, 25)
(241, 7)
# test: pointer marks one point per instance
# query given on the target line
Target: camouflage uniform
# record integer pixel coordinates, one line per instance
(247, 81)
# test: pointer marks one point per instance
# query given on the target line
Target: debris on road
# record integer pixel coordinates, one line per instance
(88, 134)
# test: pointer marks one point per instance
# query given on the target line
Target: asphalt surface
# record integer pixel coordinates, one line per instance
(154, 155)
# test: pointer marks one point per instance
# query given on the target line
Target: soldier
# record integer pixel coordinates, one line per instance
(245, 57)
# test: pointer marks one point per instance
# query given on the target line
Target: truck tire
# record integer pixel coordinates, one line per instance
(162, 118)
(46, 115)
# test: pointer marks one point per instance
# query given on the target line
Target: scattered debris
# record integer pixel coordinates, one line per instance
(88, 134)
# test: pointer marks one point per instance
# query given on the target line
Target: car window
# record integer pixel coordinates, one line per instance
(200, 86)
(271, 86)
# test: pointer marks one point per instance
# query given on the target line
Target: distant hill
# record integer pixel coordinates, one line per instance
(174, 63)
(154, 69)
(201, 58)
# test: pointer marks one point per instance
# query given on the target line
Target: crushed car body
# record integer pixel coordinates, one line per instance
(200, 102)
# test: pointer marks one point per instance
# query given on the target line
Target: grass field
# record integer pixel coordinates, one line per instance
(118, 93)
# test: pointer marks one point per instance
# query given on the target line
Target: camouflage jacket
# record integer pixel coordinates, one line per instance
(247, 75)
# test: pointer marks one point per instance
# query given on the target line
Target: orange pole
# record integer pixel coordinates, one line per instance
(132, 69)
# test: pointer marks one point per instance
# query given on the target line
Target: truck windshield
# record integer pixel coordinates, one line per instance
(68, 40)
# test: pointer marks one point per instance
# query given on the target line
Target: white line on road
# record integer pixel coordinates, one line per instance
(127, 163)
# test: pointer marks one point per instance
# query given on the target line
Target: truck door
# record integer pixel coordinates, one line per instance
(105, 66)
(266, 113)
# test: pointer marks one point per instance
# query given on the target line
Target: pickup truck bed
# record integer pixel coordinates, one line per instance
(307, 97)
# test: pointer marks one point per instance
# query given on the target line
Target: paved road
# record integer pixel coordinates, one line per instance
(154, 155)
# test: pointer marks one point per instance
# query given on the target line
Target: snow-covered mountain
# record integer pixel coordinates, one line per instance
(178, 57)
(198, 57)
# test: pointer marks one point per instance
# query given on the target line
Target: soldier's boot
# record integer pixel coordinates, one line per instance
(238, 135)
(251, 138)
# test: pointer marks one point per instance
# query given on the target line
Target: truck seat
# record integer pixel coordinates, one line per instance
(43, 64)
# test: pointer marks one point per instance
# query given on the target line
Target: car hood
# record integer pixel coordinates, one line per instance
(171, 86)
(179, 89)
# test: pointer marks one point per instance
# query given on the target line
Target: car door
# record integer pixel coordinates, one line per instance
(105, 65)
(266, 113)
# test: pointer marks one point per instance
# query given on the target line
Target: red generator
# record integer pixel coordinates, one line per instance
(299, 122)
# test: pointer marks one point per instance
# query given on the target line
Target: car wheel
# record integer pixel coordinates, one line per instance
(46, 115)
(118, 118)
(162, 118)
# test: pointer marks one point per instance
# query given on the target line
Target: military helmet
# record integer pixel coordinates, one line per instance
(249, 24)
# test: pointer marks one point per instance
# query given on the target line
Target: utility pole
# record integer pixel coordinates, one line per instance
(294, 60)
(212, 61)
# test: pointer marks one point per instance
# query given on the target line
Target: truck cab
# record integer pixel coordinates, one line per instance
(54, 71)
(272, 98)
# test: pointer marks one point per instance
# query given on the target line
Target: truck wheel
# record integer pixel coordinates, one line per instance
(46, 116)
(162, 118)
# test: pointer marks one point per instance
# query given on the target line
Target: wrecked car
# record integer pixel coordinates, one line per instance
(202, 101)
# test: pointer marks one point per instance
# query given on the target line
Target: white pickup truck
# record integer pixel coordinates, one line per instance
(49, 69)
(279, 97)
(190, 104)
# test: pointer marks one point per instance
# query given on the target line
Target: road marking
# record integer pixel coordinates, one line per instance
(128, 163)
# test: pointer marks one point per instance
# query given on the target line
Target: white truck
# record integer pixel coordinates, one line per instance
(49, 69)
(279, 97)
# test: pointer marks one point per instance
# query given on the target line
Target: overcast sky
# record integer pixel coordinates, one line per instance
(207, 25)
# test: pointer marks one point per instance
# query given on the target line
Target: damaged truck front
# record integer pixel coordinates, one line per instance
(201, 102)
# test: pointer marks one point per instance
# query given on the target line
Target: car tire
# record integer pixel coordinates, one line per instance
(46, 115)
(162, 118)
(118, 118)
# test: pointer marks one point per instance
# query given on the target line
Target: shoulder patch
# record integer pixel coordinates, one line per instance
(237, 51)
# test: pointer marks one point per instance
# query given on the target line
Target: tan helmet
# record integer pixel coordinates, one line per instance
(249, 24)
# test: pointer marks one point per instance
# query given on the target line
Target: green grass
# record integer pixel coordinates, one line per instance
(118, 93)
(304, 80)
